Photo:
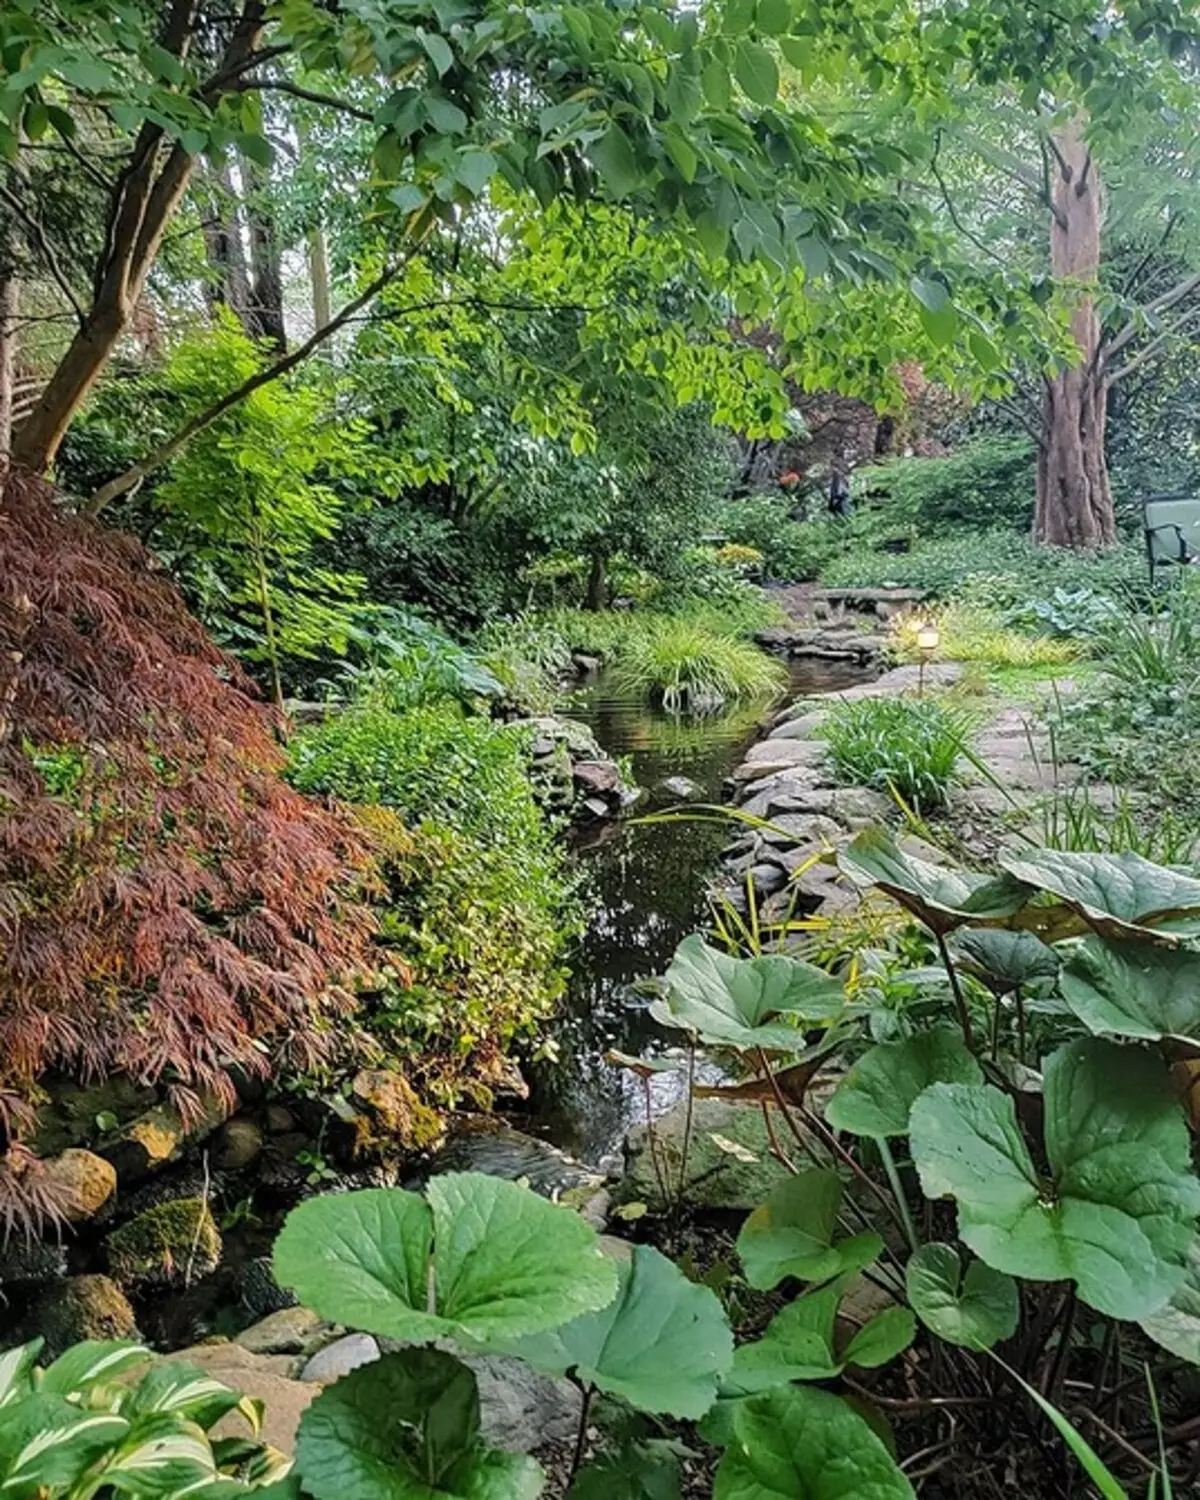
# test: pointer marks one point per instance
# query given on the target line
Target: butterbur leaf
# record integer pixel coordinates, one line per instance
(362, 1259)
(797, 1344)
(1120, 895)
(878, 1092)
(508, 1262)
(484, 1258)
(647, 1470)
(1176, 1325)
(881, 1338)
(1005, 960)
(1116, 1217)
(941, 897)
(734, 1002)
(975, 1310)
(401, 1427)
(791, 1234)
(1134, 989)
(663, 1344)
(802, 1443)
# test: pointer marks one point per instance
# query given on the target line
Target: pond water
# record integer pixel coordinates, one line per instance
(645, 887)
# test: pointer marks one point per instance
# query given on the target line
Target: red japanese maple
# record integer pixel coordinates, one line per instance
(169, 907)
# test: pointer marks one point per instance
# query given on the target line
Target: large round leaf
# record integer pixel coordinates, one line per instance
(1117, 1216)
(403, 1427)
(941, 897)
(734, 1002)
(878, 1092)
(975, 1310)
(1134, 989)
(504, 1262)
(1119, 895)
(801, 1443)
(791, 1234)
(663, 1344)
(507, 1262)
(362, 1259)
(1176, 1325)
(1003, 959)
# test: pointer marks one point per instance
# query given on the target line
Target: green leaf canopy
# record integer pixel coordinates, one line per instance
(1120, 895)
(1117, 1216)
(941, 897)
(734, 1002)
(482, 1259)
(801, 1443)
(403, 1428)
(663, 1344)
(791, 1234)
(878, 1092)
(976, 1309)
(1134, 989)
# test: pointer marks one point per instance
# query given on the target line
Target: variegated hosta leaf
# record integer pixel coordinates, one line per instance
(87, 1364)
(15, 1367)
(176, 1387)
(47, 1443)
(162, 1455)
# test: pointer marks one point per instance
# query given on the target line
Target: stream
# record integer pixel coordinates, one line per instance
(644, 885)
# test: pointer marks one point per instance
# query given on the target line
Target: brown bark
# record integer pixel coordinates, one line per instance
(266, 268)
(1074, 501)
(9, 307)
(230, 283)
(144, 199)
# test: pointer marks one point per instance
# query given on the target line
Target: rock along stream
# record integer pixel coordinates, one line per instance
(645, 886)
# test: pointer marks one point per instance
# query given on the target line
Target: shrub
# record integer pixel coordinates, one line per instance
(790, 549)
(685, 665)
(913, 746)
(987, 482)
(476, 905)
(171, 907)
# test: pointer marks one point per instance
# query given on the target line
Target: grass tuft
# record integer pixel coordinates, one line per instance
(910, 746)
(685, 665)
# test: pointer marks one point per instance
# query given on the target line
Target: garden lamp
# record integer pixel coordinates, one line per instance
(929, 638)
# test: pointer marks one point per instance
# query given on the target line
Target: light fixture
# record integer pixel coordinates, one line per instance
(929, 638)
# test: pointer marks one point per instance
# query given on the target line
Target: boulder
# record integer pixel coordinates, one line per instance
(36, 1262)
(682, 788)
(83, 1181)
(856, 806)
(260, 1292)
(519, 1408)
(263, 1377)
(340, 1357)
(85, 1307)
(766, 879)
(291, 1330)
(398, 1118)
(280, 1120)
(595, 778)
(75, 1114)
(801, 828)
(802, 727)
(713, 1177)
(782, 753)
(159, 1136)
(172, 1243)
(239, 1144)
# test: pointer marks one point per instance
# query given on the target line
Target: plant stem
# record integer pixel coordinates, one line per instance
(777, 1150)
(687, 1119)
(660, 1175)
(893, 1177)
(960, 1000)
(585, 1406)
(1020, 1004)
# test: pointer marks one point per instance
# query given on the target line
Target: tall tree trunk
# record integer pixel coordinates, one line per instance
(318, 271)
(266, 269)
(143, 202)
(9, 307)
(1074, 501)
(230, 283)
(596, 597)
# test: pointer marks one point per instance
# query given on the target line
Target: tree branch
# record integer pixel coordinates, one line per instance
(284, 86)
(47, 250)
(1155, 346)
(1169, 299)
(163, 454)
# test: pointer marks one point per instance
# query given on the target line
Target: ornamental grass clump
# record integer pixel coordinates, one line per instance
(686, 666)
(911, 747)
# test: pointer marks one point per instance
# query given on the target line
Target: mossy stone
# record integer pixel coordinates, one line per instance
(173, 1242)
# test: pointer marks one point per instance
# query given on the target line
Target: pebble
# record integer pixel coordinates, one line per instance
(340, 1357)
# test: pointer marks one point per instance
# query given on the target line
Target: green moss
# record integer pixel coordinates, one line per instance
(171, 1242)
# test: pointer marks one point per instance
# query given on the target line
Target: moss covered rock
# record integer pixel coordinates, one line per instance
(85, 1307)
(171, 1243)
(84, 1182)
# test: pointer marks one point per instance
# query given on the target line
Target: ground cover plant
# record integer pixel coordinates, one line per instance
(910, 747)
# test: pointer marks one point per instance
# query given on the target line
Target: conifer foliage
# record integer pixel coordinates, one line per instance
(169, 907)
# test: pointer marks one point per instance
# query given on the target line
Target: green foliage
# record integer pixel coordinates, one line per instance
(402, 1428)
(973, 633)
(911, 746)
(1133, 989)
(792, 1234)
(790, 549)
(84, 1424)
(876, 1096)
(685, 666)
(480, 1258)
(985, 484)
(976, 1308)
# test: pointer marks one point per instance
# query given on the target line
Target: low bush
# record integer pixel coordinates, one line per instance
(987, 482)
(685, 665)
(476, 903)
(791, 550)
(971, 634)
(910, 746)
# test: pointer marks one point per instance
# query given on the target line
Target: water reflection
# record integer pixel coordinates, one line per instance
(646, 887)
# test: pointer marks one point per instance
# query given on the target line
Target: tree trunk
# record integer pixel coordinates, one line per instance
(230, 283)
(318, 270)
(1074, 501)
(266, 291)
(597, 584)
(9, 296)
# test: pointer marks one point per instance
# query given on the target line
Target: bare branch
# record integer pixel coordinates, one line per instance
(284, 86)
(1169, 299)
(46, 249)
(1185, 324)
